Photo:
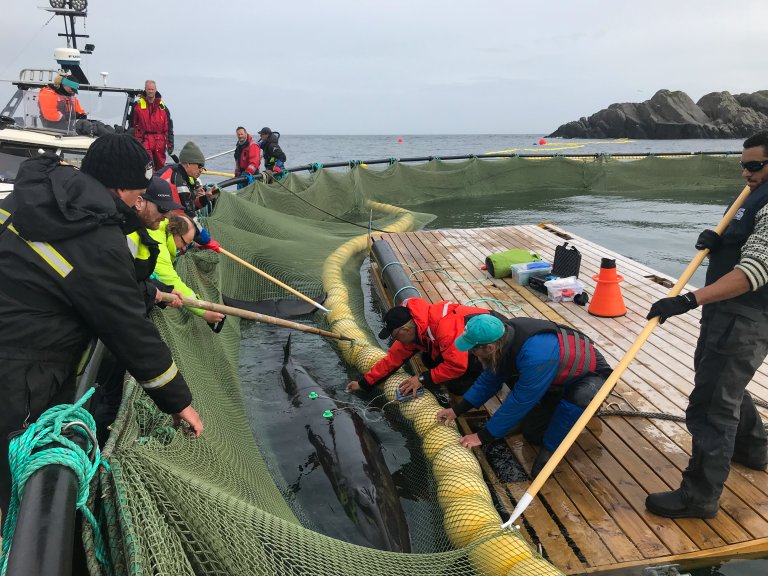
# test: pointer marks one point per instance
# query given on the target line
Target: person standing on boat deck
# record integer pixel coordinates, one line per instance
(724, 424)
(59, 106)
(418, 326)
(67, 277)
(273, 155)
(152, 125)
(183, 178)
(552, 371)
(247, 154)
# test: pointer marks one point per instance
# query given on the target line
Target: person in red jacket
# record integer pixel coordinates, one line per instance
(247, 153)
(432, 329)
(152, 125)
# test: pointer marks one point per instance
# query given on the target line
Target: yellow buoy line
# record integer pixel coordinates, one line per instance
(470, 518)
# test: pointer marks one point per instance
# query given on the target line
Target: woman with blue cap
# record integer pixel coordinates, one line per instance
(553, 372)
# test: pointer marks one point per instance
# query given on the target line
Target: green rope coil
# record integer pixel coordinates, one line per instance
(44, 444)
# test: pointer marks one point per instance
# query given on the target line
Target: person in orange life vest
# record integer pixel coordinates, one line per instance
(183, 178)
(553, 373)
(59, 107)
(152, 125)
(247, 153)
(418, 326)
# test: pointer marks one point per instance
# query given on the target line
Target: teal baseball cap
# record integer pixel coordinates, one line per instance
(480, 330)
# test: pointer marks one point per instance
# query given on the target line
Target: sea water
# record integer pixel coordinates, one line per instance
(657, 232)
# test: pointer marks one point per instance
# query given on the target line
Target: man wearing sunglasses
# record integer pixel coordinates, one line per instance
(724, 424)
(152, 208)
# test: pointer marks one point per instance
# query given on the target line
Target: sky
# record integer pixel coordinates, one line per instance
(402, 66)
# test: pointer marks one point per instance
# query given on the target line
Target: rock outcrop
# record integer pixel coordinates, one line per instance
(673, 116)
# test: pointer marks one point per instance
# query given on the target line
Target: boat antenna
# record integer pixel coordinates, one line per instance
(70, 10)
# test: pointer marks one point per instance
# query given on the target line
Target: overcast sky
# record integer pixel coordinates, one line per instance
(402, 66)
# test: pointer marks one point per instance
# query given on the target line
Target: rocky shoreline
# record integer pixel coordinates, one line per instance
(672, 115)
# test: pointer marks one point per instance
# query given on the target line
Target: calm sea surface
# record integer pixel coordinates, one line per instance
(656, 232)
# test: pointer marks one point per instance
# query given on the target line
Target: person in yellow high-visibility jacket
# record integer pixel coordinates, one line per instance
(176, 234)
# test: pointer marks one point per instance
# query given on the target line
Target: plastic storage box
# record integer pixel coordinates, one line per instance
(522, 273)
(564, 289)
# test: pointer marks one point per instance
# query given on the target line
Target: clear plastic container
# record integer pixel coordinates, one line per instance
(522, 273)
(564, 289)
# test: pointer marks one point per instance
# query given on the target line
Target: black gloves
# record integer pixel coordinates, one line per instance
(673, 306)
(709, 239)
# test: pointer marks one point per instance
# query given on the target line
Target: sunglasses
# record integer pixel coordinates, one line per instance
(753, 165)
(201, 166)
(163, 210)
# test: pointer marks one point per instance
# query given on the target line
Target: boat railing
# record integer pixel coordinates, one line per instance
(37, 75)
(44, 537)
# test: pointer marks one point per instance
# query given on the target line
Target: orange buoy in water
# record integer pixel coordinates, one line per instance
(542, 142)
(399, 139)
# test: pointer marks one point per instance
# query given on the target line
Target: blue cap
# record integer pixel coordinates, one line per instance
(480, 330)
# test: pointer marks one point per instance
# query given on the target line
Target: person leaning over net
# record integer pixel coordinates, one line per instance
(431, 329)
(552, 371)
(176, 236)
(68, 276)
(724, 424)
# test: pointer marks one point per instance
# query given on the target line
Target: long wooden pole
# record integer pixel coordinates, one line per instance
(273, 279)
(247, 314)
(609, 384)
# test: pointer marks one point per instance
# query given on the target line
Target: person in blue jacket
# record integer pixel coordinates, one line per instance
(553, 372)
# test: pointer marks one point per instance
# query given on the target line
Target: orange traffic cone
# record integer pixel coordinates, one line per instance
(607, 300)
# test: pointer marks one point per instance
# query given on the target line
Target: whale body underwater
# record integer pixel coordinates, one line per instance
(367, 510)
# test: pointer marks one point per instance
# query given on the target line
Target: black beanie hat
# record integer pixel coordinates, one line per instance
(394, 318)
(118, 161)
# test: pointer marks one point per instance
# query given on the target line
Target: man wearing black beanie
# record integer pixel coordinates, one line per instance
(68, 276)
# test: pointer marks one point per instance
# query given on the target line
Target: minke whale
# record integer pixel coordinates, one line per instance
(366, 509)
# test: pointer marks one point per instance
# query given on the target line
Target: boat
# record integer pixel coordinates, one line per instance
(23, 130)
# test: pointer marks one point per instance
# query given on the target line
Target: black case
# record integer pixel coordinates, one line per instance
(567, 261)
(537, 283)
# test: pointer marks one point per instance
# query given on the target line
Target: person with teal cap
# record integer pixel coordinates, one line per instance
(553, 372)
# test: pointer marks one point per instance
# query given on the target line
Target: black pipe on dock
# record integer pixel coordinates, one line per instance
(393, 274)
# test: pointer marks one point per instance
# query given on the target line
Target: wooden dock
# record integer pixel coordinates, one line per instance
(590, 517)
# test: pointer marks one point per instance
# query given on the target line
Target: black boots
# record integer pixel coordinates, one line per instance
(673, 505)
(753, 461)
(541, 460)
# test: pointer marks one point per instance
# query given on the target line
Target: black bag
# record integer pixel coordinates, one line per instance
(567, 261)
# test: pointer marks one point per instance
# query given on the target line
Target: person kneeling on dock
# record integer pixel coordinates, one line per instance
(553, 372)
(418, 326)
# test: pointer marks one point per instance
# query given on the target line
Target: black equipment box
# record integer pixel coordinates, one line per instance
(567, 261)
(537, 283)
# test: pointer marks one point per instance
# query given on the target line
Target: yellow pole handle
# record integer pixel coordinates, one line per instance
(609, 384)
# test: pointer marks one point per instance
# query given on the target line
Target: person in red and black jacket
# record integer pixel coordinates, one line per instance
(418, 326)
(151, 122)
(247, 153)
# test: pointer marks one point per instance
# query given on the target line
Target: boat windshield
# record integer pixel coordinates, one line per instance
(11, 158)
(37, 105)
(43, 108)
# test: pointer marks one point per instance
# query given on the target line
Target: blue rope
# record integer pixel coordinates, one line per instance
(43, 444)
(394, 298)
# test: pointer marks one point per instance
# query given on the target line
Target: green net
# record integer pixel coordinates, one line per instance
(174, 505)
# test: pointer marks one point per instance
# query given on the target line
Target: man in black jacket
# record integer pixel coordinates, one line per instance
(273, 155)
(724, 424)
(68, 276)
